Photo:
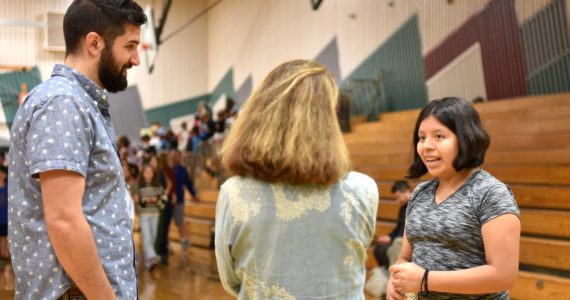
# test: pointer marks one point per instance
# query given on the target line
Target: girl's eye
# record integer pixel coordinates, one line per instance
(422, 138)
(439, 137)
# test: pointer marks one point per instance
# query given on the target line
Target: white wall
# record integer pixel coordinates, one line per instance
(251, 36)
(463, 77)
(438, 19)
(23, 45)
(181, 65)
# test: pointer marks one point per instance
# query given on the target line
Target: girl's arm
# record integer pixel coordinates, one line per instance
(404, 257)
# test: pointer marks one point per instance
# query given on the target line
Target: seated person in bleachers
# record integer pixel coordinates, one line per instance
(401, 189)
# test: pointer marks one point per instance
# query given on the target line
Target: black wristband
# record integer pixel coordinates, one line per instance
(424, 285)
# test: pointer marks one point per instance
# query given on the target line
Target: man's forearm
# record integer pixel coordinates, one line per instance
(76, 251)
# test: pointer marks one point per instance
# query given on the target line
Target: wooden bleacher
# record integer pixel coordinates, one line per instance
(530, 151)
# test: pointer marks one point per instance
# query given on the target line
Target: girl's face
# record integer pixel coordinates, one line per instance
(437, 147)
(148, 174)
(153, 162)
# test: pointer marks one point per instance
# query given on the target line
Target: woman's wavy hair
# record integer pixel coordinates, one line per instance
(288, 130)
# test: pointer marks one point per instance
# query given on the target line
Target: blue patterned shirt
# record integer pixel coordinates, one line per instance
(64, 124)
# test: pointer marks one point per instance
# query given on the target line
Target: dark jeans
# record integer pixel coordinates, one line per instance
(73, 294)
(161, 244)
(381, 255)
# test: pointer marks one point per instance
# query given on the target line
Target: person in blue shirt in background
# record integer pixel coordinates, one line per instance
(182, 180)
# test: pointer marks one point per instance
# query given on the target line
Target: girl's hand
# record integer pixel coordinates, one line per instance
(406, 277)
(391, 293)
(150, 199)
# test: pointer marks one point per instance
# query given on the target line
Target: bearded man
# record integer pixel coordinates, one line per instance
(70, 233)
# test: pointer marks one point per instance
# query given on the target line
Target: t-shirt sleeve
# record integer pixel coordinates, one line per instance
(373, 197)
(59, 137)
(498, 201)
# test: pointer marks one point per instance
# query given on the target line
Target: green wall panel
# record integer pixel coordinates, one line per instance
(10, 84)
(164, 113)
(397, 66)
(553, 77)
(225, 86)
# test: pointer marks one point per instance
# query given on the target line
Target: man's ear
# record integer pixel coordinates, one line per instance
(94, 43)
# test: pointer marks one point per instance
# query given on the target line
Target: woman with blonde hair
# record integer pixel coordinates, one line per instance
(293, 222)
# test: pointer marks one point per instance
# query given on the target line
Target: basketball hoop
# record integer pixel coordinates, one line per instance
(145, 46)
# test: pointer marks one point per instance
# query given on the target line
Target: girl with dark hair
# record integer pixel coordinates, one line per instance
(462, 228)
(149, 199)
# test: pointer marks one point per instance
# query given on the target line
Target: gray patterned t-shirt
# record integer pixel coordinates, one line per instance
(64, 124)
(448, 236)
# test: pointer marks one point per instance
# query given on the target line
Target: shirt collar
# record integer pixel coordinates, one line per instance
(98, 95)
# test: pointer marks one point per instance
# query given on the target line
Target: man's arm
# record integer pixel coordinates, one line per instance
(70, 234)
(398, 231)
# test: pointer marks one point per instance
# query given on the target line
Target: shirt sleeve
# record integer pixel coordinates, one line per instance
(228, 276)
(398, 231)
(59, 137)
(498, 201)
(371, 222)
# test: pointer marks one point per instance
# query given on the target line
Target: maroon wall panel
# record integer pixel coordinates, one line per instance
(497, 31)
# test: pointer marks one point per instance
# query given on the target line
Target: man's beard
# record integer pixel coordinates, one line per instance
(112, 79)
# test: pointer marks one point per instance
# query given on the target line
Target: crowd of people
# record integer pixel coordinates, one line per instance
(203, 130)
(160, 172)
(292, 222)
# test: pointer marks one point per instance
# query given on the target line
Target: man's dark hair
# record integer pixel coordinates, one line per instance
(123, 141)
(400, 186)
(105, 17)
(463, 120)
(150, 150)
(145, 138)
